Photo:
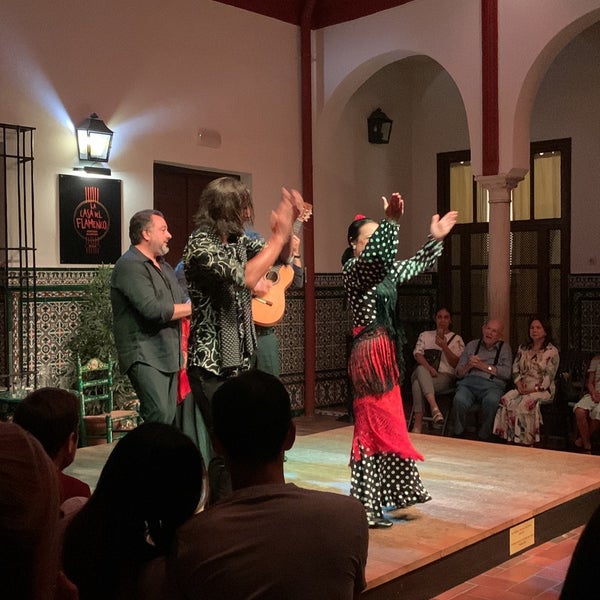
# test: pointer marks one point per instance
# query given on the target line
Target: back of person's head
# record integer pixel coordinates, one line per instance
(150, 485)
(29, 513)
(51, 415)
(251, 417)
(225, 205)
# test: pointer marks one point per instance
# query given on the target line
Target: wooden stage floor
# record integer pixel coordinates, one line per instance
(490, 501)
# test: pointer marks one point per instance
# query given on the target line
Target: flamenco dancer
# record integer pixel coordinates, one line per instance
(384, 472)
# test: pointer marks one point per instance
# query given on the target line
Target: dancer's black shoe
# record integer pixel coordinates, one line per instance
(379, 523)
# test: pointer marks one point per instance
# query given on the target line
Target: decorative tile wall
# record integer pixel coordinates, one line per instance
(59, 292)
(584, 308)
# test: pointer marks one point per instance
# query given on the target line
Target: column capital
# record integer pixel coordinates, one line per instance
(500, 186)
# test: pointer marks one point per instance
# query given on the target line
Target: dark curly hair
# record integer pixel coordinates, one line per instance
(224, 205)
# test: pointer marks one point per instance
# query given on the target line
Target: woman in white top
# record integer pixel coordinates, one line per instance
(429, 379)
(587, 410)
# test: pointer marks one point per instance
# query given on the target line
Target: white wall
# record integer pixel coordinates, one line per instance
(164, 70)
(380, 60)
(429, 117)
(443, 96)
(567, 106)
(530, 35)
(155, 72)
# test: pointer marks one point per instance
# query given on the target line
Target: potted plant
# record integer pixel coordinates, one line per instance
(93, 338)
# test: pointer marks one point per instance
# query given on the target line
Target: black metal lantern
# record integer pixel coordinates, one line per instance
(94, 139)
(380, 127)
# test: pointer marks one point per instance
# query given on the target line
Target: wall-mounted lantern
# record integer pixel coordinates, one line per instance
(380, 127)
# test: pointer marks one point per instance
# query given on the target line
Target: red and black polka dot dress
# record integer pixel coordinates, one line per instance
(384, 471)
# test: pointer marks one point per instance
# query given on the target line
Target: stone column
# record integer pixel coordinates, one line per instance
(499, 188)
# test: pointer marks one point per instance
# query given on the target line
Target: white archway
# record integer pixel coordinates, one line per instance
(523, 66)
(350, 174)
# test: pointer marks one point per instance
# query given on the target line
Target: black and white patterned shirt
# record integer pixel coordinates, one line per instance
(215, 274)
(362, 274)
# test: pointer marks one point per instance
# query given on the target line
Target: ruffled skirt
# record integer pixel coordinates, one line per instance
(384, 473)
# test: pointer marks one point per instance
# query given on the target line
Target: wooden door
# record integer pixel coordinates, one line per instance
(176, 194)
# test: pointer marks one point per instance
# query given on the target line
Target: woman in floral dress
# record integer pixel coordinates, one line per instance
(384, 473)
(519, 417)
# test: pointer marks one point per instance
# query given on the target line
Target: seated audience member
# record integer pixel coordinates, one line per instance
(436, 376)
(519, 417)
(587, 410)
(581, 581)
(52, 416)
(150, 485)
(261, 541)
(29, 521)
(484, 368)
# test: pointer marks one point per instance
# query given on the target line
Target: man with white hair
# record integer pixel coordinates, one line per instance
(484, 368)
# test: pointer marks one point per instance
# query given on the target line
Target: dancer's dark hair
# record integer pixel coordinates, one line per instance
(353, 233)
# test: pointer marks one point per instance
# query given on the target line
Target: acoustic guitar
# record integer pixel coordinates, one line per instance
(268, 310)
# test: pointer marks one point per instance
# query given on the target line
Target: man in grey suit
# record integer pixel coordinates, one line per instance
(147, 306)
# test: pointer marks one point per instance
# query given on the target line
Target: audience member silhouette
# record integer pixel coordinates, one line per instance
(259, 542)
(150, 485)
(581, 582)
(29, 520)
(52, 416)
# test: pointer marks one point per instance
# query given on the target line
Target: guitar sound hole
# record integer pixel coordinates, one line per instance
(272, 276)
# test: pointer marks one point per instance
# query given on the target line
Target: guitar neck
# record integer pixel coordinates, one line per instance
(300, 220)
(297, 226)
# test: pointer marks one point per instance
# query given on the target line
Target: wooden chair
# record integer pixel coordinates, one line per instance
(95, 387)
(554, 430)
(8, 403)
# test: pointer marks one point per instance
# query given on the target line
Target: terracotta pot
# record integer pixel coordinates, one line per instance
(95, 426)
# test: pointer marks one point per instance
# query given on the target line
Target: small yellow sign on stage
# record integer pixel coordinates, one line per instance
(521, 536)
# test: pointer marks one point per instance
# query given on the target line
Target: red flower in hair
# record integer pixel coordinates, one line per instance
(359, 217)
